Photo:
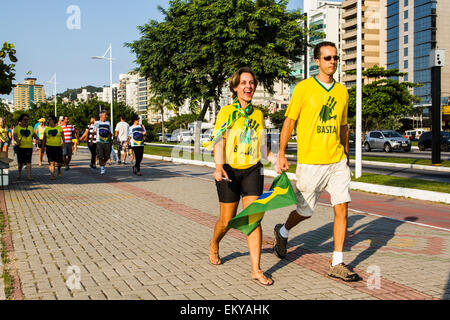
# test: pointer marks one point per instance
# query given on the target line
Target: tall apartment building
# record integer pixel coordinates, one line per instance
(373, 37)
(128, 89)
(28, 93)
(414, 28)
(323, 17)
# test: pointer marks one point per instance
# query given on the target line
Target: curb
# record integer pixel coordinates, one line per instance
(368, 187)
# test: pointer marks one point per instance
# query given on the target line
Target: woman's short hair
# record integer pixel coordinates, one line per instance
(236, 79)
(53, 118)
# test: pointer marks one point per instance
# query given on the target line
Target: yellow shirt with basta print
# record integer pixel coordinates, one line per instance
(53, 136)
(319, 113)
(240, 155)
(25, 136)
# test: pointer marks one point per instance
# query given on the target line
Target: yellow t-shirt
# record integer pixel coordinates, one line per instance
(53, 136)
(319, 113)
(25, 136)
(4, 137)
(41, 130)
(240, 155)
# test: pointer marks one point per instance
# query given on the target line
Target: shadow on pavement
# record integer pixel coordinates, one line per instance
(378, 232)
(446, 294)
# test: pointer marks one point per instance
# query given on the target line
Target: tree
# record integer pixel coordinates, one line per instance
(7, 71)
(200, 43)
(383, 99)
(159, 104)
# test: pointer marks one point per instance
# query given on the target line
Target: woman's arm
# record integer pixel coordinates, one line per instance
(219, 149)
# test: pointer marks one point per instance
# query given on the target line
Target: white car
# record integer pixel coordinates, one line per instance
(185, 136)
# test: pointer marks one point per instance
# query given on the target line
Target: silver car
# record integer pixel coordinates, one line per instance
(386, 140)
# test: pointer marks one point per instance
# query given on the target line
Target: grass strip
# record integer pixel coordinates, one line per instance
(7, 278)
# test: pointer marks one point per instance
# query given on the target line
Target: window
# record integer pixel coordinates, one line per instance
(406, 27)
(405, 52)
(405, 39)
(405, 14)
(405, 64)
(406, 3)
(405, 78)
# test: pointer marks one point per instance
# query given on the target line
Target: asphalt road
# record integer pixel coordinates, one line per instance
(396, 172)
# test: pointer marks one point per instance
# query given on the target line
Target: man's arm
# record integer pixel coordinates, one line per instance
(344, 140)
(286, 131)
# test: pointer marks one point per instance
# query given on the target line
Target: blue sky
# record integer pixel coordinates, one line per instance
(45, 45)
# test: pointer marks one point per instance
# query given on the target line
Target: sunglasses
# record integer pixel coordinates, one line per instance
(328, 58)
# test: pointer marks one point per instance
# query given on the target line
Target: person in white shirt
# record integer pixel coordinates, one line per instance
(121, 135)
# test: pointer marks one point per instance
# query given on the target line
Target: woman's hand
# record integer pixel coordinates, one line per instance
(220, 173)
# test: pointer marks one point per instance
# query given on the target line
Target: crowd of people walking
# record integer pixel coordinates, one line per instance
(59, 139)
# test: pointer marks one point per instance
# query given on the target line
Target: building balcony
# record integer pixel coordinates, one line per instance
(349, 13)
(349, 56)
(348, 67)
(348, 35)
(349, 3)
(350, 45)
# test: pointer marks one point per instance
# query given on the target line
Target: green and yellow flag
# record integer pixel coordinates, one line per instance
(280, 195)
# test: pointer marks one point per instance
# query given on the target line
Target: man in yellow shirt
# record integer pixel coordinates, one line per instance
(319, 106)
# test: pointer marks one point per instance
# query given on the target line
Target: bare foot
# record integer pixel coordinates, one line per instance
(214, 257)
(261, 278)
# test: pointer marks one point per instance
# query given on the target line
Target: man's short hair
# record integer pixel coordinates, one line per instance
(320, 45)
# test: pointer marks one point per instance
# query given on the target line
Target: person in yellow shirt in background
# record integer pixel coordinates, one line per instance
(53, 144)
(23, 138)
(40, 138)
(319, 106)
(5, 136)
(239, 143)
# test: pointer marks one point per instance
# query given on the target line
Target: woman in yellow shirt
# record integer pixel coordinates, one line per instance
(23, 138)
(53, 144)
(239, 142)
(40, 134)
(5, 136)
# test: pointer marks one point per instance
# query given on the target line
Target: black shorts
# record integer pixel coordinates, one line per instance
(245, 182)
(40, 144)
(54, 154)
(24, 155)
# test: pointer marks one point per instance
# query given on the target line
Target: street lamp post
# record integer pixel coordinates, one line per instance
(53, 81)
(110, 78)
(358, 144)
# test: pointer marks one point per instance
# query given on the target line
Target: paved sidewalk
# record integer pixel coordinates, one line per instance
(126, 237)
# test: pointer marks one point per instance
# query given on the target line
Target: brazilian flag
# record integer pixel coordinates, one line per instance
(280, 195)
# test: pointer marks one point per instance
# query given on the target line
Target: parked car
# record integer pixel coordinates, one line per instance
(167, 137)
(425, 141)
(351, 140)
(415, 134)
(185, 136)
(386, 140)
(205, 137)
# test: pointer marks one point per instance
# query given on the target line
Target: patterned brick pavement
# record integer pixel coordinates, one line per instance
(129, 237)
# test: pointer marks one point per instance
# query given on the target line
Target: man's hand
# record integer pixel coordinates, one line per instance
(283, 163)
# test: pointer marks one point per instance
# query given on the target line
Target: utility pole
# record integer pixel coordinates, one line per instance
(437, 60)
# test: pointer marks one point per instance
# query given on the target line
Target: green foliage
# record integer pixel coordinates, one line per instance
(200, 43)
(79, 114)
(72, 93)
(384, 100)
(7, 71)
(278, 118)
(180, 121)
